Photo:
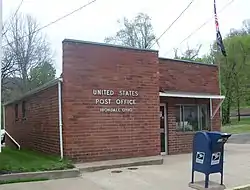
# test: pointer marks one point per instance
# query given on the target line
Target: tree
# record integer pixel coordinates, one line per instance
(235, 69)
(189, 54)
(8, 66)
(192, 54)
(25, 49)
(246, 26)
(245, 30)
(41, 74)
(137, 33)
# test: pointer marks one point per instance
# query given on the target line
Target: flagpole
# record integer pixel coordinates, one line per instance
(219, 73)
(217, 48)
(217, 51)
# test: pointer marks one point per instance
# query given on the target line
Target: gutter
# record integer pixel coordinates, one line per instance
(60, 115)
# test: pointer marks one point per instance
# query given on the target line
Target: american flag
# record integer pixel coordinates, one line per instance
(218, 34)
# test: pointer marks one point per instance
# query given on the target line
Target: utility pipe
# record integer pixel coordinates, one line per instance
(1, 54)
(211, 114)
(60, 115)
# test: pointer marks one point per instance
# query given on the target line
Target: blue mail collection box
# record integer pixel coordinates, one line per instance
(208, 154)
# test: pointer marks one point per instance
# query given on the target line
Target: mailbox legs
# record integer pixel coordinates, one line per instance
(221, 178)
(192, 180)
(206, 180)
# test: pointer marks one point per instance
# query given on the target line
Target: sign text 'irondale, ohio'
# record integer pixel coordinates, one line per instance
(124, 98)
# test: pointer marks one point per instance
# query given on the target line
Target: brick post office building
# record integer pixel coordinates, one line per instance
(116, 102)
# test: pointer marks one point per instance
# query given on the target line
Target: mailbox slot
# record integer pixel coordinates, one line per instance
(225, 137)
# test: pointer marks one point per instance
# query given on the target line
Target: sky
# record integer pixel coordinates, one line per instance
(99, 20)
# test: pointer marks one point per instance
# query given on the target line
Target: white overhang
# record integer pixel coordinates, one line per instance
(190, 95)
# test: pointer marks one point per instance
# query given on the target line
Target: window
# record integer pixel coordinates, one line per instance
(192, 117)
(24, 109)
(16, 112)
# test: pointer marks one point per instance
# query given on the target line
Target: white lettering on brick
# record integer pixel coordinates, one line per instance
(118, 101)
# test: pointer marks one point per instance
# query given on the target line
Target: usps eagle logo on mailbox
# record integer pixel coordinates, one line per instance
(200, 156)
(215, 159)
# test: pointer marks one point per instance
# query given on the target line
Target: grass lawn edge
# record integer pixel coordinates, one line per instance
(20, 161)
(236, 127)
(38, 176)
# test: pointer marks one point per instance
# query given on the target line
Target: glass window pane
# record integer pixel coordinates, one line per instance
(178, 118)
(190, 118)
(204, 117)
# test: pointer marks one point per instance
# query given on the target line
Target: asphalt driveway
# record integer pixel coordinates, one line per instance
(173, 174)
(243, 138)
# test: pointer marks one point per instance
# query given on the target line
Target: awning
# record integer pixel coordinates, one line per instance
(190, 95)
(196, 95)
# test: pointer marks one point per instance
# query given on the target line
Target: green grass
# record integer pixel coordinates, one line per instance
(13, 160)
(238, 127)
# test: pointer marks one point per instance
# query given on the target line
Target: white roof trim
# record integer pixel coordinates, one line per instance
(187, 95)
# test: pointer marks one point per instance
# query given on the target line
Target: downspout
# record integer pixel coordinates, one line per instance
(60, 115)
(211, 114)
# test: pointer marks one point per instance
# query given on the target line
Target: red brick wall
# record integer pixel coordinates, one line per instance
(39, 131)
(186, 77)
(91, 135)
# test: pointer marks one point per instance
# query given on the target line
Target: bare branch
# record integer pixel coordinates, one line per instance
(23, 53)
(135, 33)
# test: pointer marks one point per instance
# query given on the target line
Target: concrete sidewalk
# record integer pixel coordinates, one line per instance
(174, 174)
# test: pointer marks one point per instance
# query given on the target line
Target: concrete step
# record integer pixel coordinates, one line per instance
(119, 163)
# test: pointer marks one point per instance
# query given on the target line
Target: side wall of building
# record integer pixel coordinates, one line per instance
(91, 134)
(187, 77)
(38, 130)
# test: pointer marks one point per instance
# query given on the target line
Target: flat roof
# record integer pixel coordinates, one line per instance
(187, 61)
(106, 44)
(34, 91)
(67, 40)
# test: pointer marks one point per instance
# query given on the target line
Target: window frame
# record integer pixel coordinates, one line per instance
(181, 108)
(24, 110)
(16, 111)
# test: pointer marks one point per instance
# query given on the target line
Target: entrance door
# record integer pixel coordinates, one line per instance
(163, 129)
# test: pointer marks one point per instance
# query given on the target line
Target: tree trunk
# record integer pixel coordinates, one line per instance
(227, 119)
(228, 106)
(238, 96)
(238, 105)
